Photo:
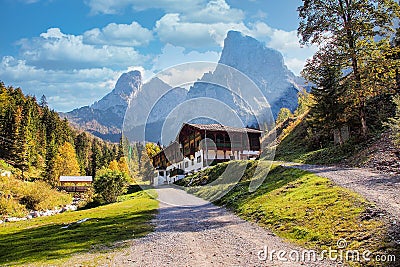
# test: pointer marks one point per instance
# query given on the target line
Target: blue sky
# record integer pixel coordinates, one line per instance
(73, 51)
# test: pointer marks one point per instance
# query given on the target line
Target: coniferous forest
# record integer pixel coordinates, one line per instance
(35, 140)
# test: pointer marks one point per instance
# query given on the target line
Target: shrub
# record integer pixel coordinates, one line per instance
(11, 207)
(111, 184)
(17, 197)
(40, 196)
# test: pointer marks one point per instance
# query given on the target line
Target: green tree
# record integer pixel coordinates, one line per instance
(328, 111)
(394, 123)
(121, 151)
(43, 101)
(146, 169)
(95, 157)
(19, 148)
(110, 185)
(352, 26)
(304, 102)
(284, 114)
(82, 147)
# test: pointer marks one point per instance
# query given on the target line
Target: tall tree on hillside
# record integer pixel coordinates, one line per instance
(146, 169)
(396, 56)
(95, 157)
(354, 26)
(43, 101)
(283, 115)
(66, 162)
(121, 151)
(19, 148)
(325, 71)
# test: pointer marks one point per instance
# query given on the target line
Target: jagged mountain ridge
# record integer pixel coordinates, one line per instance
(105, 117)
(263, 65)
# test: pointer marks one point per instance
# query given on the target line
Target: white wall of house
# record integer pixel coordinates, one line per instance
(160, 177)
(196, 164)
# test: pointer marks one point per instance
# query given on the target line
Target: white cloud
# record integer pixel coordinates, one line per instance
(171, 29)
(119, 34)
(192, 11)
(115, 6)
(215, 11)
(64, 89)
(295, 64)
(56, 50)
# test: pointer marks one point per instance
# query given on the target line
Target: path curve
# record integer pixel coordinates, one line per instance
(381, 189)
(198, 233)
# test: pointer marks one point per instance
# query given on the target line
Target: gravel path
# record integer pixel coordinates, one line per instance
(381, 189)
(198, 233)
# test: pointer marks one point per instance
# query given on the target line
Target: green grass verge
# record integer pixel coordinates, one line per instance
(303, 208)
(42, 239)
(295, 147)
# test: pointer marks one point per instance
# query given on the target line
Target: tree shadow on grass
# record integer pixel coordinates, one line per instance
(51, 242)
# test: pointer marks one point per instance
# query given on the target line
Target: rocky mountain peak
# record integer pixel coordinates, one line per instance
(126, 85)
(128, 82)
(250, 55)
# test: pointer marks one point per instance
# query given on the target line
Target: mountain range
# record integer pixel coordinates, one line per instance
(241, 54)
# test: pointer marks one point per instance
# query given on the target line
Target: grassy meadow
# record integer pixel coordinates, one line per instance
(43, 240)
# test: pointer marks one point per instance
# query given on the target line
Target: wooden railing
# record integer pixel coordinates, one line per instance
(73, 188)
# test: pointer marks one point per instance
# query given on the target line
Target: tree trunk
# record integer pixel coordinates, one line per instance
(363, 119)
(340, 137)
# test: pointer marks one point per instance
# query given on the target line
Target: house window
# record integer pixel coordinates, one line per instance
(192, 162)
(198, 159)
(186, 164)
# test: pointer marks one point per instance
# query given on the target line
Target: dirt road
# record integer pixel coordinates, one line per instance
(192, 232)
(381, 189)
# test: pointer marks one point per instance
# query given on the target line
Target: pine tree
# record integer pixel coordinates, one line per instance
(82, 147)
(95, 157)
(120, 148)
(328, 111)
(43, 102)
(146, 168)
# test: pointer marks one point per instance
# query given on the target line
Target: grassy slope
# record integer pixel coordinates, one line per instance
(42, 239)
(294, 148)
(305, 209)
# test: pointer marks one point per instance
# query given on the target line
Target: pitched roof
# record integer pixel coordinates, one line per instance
(76, 179)
(220, 127)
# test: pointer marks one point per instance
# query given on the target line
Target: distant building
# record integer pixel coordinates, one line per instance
(75, 183)
(198, 146)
